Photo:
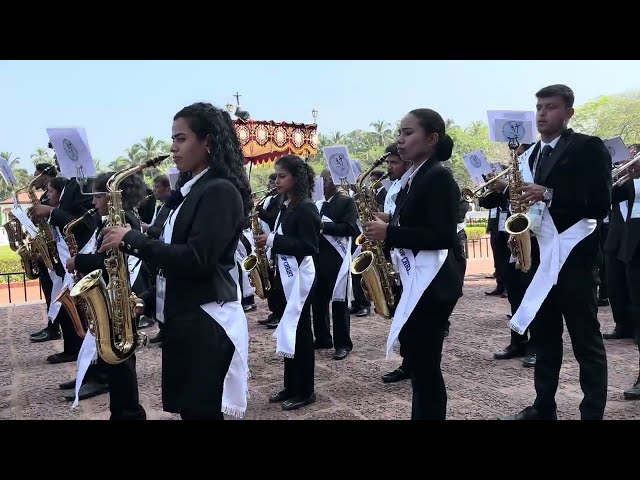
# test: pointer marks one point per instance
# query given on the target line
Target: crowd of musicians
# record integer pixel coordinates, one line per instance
(186, 246)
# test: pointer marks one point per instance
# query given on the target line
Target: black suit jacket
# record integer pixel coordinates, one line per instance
(156, 228)
(300, 231)
(631, 238)
(497, 200)
(342, 211)
(147, 208)
(428, 218)
(269, 214)
(617, 224)
(380, 198)
(73, 205)
(86, 263)
(579, 172)
(198, 261)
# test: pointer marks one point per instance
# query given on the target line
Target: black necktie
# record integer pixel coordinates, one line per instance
(546, 151)
(283, 209)
(324, 204)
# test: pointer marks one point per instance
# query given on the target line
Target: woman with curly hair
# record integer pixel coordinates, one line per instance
(94, 378)
(294, 241)
(205, 335)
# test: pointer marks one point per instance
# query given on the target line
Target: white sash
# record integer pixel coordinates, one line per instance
(241, 253)
(416, 274)
(554, 250)
(297, 281)
(58, 283)
(392, 195)
(342, 245)
(231, 317)
(624, 209)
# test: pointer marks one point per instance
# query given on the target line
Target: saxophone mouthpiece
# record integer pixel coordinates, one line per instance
(156, 161)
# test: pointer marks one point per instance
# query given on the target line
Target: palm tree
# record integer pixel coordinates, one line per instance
(382, 132)
(41, 156)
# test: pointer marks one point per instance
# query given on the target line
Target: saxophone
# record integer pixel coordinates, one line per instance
(257, 265)
(18, 242)
(378, 275)
(76, 307)
(43, 246)
(518, 224)
(110, 308)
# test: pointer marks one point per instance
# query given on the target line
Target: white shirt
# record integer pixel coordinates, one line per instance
(392, 195)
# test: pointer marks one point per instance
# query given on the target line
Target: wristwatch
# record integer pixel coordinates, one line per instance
(547, 195)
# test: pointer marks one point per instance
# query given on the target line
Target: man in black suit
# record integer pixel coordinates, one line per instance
(162, 194)
(341, 211)
(45, 172)
(73, 204)
(572, 176)
(499, 238)
(380, 191)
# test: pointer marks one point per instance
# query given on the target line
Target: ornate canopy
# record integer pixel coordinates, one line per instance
(266, 141)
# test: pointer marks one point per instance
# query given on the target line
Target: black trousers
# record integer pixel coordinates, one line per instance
(47, 286)
(71, 341)
(517, 283)
(359, 298)
(633, 280)
(501, 255)
(618, 289)
(603, 293)
(276, 299)
(574, 297)
(421, 341)
(461, 254)
(325, 282)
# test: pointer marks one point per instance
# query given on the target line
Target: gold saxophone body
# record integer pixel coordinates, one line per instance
(257, 265)
(518, 224)
(378, 275)
(20, 243)
(43, 246)
(76, 307)
(110, 308)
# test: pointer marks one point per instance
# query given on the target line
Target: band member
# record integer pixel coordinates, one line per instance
(162, 193)
(422, 233)
(396, 168)
(205, 335)
(499, 247)
(244, 248)
(121, 379)
(570, 174)
(73, 204)
(630, 256)
(333, 264)
(463, 208)
(294, 242)
(45, 172)
(380, 190)
(516, 281)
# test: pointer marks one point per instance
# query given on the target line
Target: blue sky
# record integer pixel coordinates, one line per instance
(119, 102)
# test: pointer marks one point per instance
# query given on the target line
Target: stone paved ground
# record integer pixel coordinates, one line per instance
(478, 386)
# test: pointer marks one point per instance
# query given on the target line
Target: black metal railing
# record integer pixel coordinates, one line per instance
(476, 246)
(8, 281)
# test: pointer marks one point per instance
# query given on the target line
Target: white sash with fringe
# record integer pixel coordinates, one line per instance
(297, 281)
(231, 317)
(416, 274)
(342, 245)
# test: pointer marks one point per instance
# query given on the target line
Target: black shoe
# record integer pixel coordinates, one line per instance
(273, 323)
(144, 322)
(617, 335)
(280, 396)
(297, 402)
(269, 319)
(157, 339)
(497, 291)
(633, 393)
(341, 353)
(68, 385)
(363, 312)
(45, 336)
(250, 308)
(353, 310)
(529, 413)
(529, 360)
(395, 376)
(62, 357)
(88, 390)
(322, 345)
(509, 352)
(39, 332)
(603, 302)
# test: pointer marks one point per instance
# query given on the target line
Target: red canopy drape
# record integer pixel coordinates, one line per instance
(265, 141)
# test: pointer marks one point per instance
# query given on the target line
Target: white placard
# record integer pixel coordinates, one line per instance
(339, 164)
(173, 174)
(72, 150)
(26, 222)
(6, 172)
(318, 192)
(618, 150)
(357, 168)
(477, 166)
(505, 125)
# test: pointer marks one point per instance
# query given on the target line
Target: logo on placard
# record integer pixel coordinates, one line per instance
(612, 151)
(475, 161)
(513, 130)
(339, 164)
(70, 150)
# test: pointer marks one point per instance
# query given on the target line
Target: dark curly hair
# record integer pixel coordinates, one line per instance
(133, 189)
(226, 159)
(303, 174)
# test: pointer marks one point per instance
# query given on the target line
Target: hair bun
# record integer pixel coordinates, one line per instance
(444, 149)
